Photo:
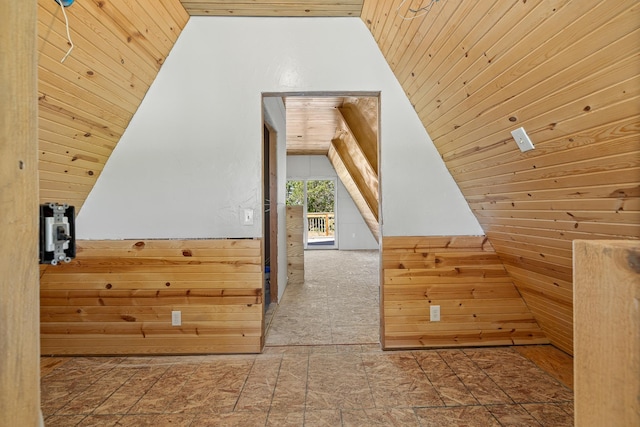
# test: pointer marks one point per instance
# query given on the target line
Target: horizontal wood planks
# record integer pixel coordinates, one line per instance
(463, 275)
(86, 102)
(273, 7)
(116, 297)
(565, 71)
(295, 245)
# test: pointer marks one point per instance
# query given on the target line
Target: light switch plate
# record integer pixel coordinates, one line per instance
(522, 139)
(247, 216)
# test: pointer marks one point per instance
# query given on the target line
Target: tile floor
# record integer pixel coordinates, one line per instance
(301, 380)
(338, 303)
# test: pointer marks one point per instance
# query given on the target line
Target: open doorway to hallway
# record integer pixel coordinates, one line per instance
(332, 148)
(318, 198)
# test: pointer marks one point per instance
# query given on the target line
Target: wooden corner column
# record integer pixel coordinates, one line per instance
(606, 288)
(295, 245)
(19, 293)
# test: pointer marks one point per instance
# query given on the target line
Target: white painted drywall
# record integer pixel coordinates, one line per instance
(352, 231)
(190, 160)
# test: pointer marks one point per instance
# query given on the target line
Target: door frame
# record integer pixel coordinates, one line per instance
(271, 173)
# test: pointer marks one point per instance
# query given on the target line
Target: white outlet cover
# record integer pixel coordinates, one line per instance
(522, 139)
(434, 313)
(176, 318)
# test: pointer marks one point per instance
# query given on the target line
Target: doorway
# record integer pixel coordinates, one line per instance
(318, 198)
(331, 159)
(270, 215)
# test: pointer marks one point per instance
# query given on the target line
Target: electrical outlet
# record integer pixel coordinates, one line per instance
(434, 313)
(176, 318)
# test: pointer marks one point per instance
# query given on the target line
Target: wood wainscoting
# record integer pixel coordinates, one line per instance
(479, 303)
(116, 297)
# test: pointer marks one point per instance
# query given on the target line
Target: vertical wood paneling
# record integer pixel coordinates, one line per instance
(19, 349)
(607, 351)
(463, 275)
(567, 72)
(86, 103)
(295, 245)
(116, 297)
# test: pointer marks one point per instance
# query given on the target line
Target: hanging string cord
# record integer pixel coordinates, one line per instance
(421, 11)
(66, 20)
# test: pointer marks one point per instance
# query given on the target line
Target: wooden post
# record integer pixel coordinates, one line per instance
(295, 244)
(606, 329)
(326, 224)
(19, 291)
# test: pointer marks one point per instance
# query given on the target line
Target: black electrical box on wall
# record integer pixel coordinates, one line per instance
(57, 233)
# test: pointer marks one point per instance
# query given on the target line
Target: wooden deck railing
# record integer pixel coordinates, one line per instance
(321, 224)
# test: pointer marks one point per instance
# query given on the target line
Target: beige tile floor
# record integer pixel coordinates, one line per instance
(338, 303)
(300, 382)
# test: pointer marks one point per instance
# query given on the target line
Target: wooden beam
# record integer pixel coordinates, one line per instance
(361, 119)
(364, 177)
(347, 180)
(607, 332)
(19, 351)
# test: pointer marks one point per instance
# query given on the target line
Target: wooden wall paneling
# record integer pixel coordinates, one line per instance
(518, 73)
(91, 32)
(482, 46)
(128, 29)
(443, 39)
(116, 297)
(295, 245)
(607, 139)
(465, 43)
(19, 348)
(463, 275)
(274, 8)
(177, 11)
(566, 72)
(572, 108)
(87, 102)
(607, 333)
(434, 26)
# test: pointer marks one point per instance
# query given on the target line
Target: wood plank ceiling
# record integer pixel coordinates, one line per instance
(316, 8)
(566, 71)
(313, 121)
